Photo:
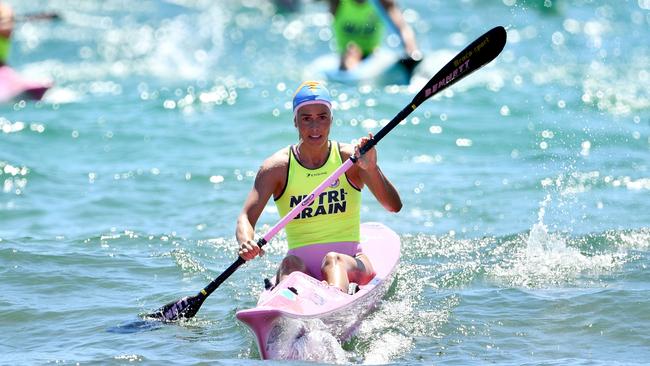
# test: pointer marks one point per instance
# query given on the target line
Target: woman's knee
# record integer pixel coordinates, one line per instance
(365, 272)
(290, 264)
(331, 259)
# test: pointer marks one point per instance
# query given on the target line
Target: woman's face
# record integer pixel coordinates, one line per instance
(313, 122)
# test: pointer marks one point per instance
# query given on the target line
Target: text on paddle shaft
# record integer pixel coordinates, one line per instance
(461, 64)
(446, 80)
(466, 56)
(327, 203)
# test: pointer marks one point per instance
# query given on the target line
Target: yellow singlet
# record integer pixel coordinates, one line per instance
(334, 215)
(358, 23)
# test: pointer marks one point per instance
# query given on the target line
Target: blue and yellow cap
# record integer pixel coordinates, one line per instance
(311, 92)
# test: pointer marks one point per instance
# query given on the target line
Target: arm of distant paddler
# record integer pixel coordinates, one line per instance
(404, 30)
(6, 20)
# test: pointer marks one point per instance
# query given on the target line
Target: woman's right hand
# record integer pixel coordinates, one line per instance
(249, 250)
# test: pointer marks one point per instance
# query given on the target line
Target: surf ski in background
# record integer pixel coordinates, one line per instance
(381, 67)
(14, 86)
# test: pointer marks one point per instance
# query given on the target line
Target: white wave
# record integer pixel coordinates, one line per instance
(546, 259)
(306, 340)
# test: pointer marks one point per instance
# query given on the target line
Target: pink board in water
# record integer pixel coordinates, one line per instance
(14, 87)
(300, 297)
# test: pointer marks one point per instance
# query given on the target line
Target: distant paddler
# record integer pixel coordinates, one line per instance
(359, 28)
(13, 86)
(7, 23)
(6, 28)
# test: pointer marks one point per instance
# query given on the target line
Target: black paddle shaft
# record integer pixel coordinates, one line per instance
(188, 306)
(479, 53)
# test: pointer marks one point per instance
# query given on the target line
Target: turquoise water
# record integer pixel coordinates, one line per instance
(526, 187)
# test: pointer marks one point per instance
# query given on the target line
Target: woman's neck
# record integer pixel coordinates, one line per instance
(312, 156)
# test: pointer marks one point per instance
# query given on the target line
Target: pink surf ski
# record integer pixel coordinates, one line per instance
(13, 86)
(303, 298)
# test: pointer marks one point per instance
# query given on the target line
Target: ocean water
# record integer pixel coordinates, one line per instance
(526, 186)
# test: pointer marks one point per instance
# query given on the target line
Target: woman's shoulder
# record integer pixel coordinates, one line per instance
(277, 161)
(346, 149)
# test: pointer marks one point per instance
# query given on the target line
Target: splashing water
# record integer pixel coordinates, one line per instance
(539, 241)
(547, 260)
(386, 347)
(304, 340)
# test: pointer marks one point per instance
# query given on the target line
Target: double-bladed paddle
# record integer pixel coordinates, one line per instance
(479, 53)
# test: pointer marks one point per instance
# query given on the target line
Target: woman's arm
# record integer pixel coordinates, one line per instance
(372, 176)
(270, 177)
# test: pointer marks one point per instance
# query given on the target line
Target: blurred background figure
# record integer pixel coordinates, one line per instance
(359, 30)
(12, 85)
(6, 27)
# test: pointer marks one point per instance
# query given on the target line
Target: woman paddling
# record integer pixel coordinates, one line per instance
(323, 240)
